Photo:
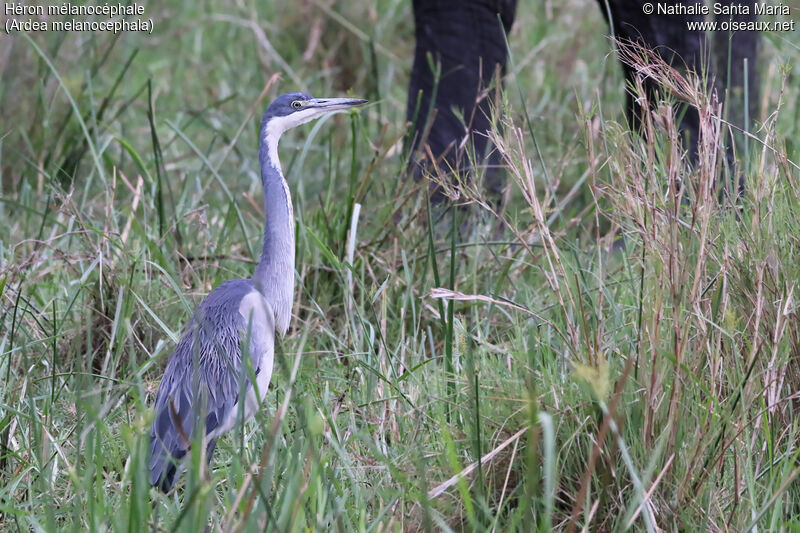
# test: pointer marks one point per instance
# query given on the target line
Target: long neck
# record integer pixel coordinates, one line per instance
(274, 275)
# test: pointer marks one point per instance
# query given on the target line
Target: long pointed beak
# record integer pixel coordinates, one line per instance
(333, 104)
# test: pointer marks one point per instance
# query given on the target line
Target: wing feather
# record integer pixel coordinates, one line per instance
(204, 376)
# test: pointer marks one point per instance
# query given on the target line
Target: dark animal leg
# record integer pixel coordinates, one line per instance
(468, 42)
(671, 38)
(667, 35)
(465, 40)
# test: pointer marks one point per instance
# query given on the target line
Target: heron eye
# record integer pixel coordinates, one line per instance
(296, 104)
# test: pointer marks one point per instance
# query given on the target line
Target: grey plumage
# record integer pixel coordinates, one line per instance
(206, 378)
(207, 365)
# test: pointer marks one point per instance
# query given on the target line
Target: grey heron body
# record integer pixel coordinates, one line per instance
(208, 372)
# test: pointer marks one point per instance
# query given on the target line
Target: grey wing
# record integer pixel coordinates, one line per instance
(201, 375)
(205, 372)
(173, 427)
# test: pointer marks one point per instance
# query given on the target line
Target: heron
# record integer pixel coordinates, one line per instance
(232, 333)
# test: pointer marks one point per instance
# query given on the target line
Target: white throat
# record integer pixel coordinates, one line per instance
(277, 125)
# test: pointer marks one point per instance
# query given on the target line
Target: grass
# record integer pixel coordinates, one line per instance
(616, 349)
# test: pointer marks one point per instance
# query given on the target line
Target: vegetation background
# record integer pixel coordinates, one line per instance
(616, 349)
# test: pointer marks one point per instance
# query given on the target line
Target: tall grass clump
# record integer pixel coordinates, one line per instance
(678, 314)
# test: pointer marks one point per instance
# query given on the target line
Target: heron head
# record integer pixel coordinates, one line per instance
(292, 109)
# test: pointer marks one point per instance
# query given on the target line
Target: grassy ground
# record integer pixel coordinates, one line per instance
(650, 384)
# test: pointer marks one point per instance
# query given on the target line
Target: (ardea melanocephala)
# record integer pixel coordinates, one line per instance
(206, 374)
